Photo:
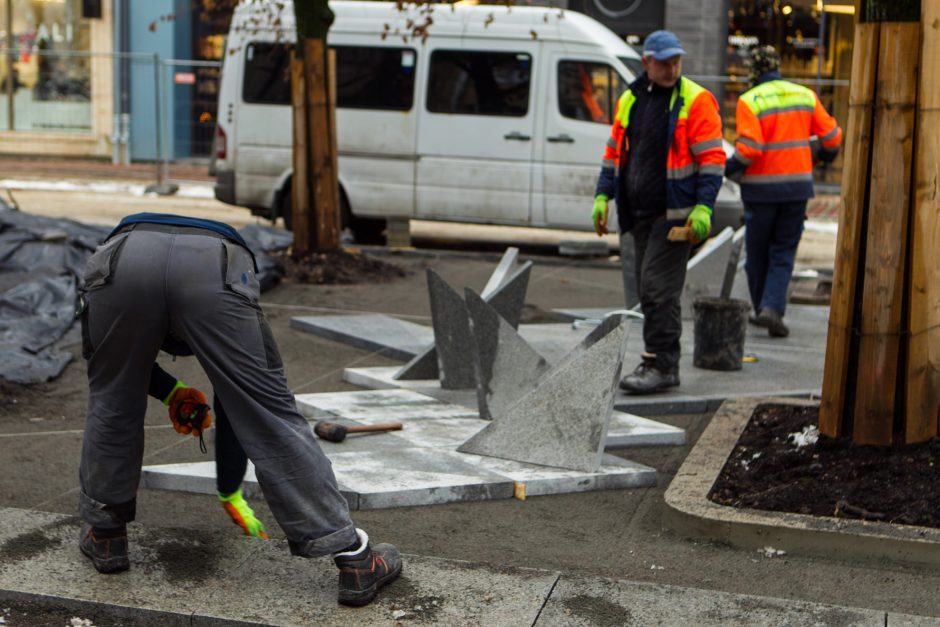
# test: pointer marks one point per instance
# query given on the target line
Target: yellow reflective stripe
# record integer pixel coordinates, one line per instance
(779, 97)
(705, 145)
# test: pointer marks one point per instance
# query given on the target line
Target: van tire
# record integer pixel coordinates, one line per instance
(285, 207)
(364, 230)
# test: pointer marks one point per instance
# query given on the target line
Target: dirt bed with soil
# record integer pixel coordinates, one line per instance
(781, 464)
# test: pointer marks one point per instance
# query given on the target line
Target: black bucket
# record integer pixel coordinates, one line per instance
(720, 326)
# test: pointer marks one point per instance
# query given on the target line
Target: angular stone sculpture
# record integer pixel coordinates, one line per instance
(563, 421)
(505, 291)
(506, 367)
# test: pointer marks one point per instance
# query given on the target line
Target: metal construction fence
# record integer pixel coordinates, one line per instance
(164, 109)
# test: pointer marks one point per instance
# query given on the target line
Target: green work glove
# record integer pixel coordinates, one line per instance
(599, 214)
(242, 515)
(700, 221)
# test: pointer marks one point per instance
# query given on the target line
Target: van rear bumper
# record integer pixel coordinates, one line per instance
(225, 186)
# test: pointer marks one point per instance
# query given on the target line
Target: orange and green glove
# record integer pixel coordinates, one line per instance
(189, 410)
(242, 515)
(599, 214)
(700, 221)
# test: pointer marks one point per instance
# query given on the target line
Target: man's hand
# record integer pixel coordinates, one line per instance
(189, 410)
(242, 515)
(700, 221)
(599, 215)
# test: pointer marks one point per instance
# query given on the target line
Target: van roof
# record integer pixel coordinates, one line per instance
(493, 21)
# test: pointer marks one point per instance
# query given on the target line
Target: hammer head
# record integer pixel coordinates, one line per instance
(330, 431)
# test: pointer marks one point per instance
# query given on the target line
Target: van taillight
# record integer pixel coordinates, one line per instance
(220, 142)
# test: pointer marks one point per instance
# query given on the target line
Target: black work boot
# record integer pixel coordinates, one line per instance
(773, 322)
(366, 569)
(647, 378)
(107, 548)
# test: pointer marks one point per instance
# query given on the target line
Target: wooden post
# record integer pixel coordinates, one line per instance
(837, 372)
(300, 196)
(883, 294)
(923, 367)
(320, 137)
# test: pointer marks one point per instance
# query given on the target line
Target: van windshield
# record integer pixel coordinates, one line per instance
(634, 65)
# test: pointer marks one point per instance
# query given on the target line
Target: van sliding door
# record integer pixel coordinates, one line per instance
(475, 140)
(581, 99)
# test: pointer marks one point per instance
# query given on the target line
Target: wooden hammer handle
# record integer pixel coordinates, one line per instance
(382, 426)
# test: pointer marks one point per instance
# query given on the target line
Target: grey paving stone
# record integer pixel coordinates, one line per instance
(421, 366)
(578, 601)
(563, 421)
(379, 406)
(374, 332)
(506, 367)
(415, 476)
(614, 473)
(506, 268)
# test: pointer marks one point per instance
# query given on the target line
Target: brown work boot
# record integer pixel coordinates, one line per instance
(364, 570)
(107, 548)
(773, 322)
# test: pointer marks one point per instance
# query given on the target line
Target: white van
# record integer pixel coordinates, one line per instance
(499, 116)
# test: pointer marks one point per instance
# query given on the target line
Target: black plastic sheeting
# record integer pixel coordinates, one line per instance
(41, 265)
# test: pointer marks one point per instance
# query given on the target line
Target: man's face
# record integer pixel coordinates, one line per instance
(663, 73)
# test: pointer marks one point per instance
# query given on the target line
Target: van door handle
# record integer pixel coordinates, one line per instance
(517, 136)
(561, 139)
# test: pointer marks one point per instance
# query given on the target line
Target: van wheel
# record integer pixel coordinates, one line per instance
(285, 208)
(364, 230)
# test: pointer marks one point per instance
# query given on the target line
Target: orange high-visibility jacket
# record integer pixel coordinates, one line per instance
(695, 162)
(775, 122)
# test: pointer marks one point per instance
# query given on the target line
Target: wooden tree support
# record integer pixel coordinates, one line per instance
(881, 382)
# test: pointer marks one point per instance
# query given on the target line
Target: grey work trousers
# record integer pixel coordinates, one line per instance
(660, 278)
(153, 281)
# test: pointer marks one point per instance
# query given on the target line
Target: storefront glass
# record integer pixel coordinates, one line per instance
(814, 38)
(49, 88)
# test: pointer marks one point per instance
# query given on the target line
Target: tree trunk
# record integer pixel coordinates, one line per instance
(315, 190)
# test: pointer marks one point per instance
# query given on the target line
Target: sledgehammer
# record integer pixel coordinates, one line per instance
(337, 433)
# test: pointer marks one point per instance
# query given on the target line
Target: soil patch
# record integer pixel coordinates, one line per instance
(777, 466)
(339, 267)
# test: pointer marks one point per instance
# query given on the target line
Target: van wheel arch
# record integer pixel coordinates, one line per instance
(364, 230)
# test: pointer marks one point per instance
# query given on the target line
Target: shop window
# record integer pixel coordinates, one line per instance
(479, 83)
(46, 73)
(588, 91)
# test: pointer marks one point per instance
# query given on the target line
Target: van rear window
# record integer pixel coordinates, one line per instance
(366, 77)
(479, 83)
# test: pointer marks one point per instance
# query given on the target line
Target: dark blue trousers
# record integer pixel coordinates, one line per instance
(771, 239)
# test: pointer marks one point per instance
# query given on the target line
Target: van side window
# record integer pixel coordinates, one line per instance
(479, 83)
(366, 77)
(375, 78)
(267, 74)
(588, 91)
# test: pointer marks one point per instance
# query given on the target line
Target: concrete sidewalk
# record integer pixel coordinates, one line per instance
(186, 577)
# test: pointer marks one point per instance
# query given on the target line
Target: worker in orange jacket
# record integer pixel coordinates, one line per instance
(773, 160)
(663, 165)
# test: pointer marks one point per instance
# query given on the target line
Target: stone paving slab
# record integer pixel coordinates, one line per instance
(789, 366)
(182, 577)
(418, 465)
(384, 405)
(394, 337)
(578, 601)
